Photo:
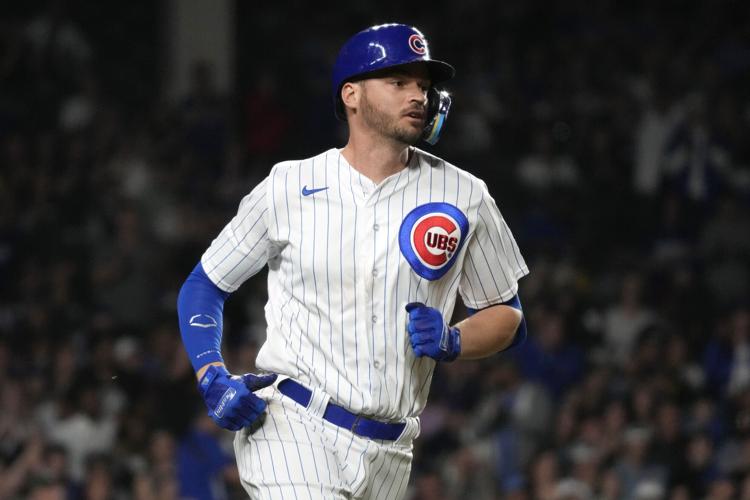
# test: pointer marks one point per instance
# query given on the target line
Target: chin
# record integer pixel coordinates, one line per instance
(409, 137)
(407, 140)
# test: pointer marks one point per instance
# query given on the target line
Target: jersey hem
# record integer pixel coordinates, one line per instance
(213, 276)
(504, 297)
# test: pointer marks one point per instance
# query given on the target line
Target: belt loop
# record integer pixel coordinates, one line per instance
(318, 402)
(353, 428)
(411, 430)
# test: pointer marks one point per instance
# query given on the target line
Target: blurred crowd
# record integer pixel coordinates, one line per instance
(613, 137)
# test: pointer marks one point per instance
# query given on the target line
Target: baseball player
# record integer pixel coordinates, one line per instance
(366, 248)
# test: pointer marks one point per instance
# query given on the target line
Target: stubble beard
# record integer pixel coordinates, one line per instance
(387, 126)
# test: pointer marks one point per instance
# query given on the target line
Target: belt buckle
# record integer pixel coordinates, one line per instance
(353, 428)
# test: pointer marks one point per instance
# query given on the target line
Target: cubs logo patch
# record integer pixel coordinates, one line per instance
(431, 236)
(417, 44)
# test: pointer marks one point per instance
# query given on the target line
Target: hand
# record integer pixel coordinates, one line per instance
(430, 335)
(230, 399)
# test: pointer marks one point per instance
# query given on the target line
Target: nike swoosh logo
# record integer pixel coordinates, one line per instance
(308, 192)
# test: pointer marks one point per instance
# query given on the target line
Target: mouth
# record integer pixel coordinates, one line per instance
(417, 116)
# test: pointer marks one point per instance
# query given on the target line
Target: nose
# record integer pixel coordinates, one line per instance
(418, 95)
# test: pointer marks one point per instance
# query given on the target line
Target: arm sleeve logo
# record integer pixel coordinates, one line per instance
(203, 321)
(431, 236)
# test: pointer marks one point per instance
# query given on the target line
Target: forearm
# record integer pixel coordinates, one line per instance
(200, 307)
(488, 331)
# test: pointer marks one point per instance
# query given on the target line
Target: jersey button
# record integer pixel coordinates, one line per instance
(374, 272)
(374, 319)
(375, 227)
(377, 364)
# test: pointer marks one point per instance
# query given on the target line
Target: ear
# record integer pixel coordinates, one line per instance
(350, 94)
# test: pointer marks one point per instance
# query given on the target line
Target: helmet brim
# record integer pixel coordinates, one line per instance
(440, 71)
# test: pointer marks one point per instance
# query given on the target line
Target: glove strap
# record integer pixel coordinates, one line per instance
(210, 375)
(454, 343)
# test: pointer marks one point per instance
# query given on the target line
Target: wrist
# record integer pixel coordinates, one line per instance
(454, 343)
(203, 369)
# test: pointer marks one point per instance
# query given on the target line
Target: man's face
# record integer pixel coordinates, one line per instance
(394, 104)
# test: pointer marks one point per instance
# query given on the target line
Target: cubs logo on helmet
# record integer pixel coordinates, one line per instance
(430, 238)
(417, 44)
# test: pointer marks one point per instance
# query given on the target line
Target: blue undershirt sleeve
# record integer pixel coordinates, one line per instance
(200, 309)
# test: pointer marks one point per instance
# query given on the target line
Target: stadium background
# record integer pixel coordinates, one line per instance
(612, 134)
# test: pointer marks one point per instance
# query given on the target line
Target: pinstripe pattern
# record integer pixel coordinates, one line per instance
(337, 286)
(356, 468)
(336, 317)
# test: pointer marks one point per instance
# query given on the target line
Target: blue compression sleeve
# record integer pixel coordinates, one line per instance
(520, 335)
(200, 308)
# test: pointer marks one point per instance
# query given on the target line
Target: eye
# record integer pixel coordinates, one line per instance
(397, 83)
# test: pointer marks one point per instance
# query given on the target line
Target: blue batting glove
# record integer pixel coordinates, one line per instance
(430, 335)
(230, 399)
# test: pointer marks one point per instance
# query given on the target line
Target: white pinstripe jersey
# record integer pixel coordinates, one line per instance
(339, 278)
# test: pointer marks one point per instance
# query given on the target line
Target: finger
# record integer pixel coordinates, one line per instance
(231, 423)
(413, 305)
(259, 405)
(253, 404)
(423, 325)
(416, 344)
(419, 321)
(422, 339)
(244, 416)
(417, 325)
(257, 424)
(245, 413)
(254, 382)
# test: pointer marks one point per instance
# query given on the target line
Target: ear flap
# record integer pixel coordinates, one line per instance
(438, 106)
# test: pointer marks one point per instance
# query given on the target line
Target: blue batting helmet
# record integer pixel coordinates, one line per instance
(386, 46)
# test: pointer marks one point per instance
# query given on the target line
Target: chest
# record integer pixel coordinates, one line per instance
(373, 236)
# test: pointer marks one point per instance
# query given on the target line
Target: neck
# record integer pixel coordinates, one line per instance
(374, 157)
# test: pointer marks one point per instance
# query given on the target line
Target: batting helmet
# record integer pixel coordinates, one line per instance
(386, 46)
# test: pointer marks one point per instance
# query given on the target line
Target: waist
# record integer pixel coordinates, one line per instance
(341, 417)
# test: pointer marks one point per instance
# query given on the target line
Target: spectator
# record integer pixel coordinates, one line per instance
(625, 320)
(550, 356)
(631, 189)
(634, 467)
(545, 170)
(83, 430)
(659, 117)
(202, 465)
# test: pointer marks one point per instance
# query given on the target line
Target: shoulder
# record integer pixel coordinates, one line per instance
(464, 177)
(294, 166)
